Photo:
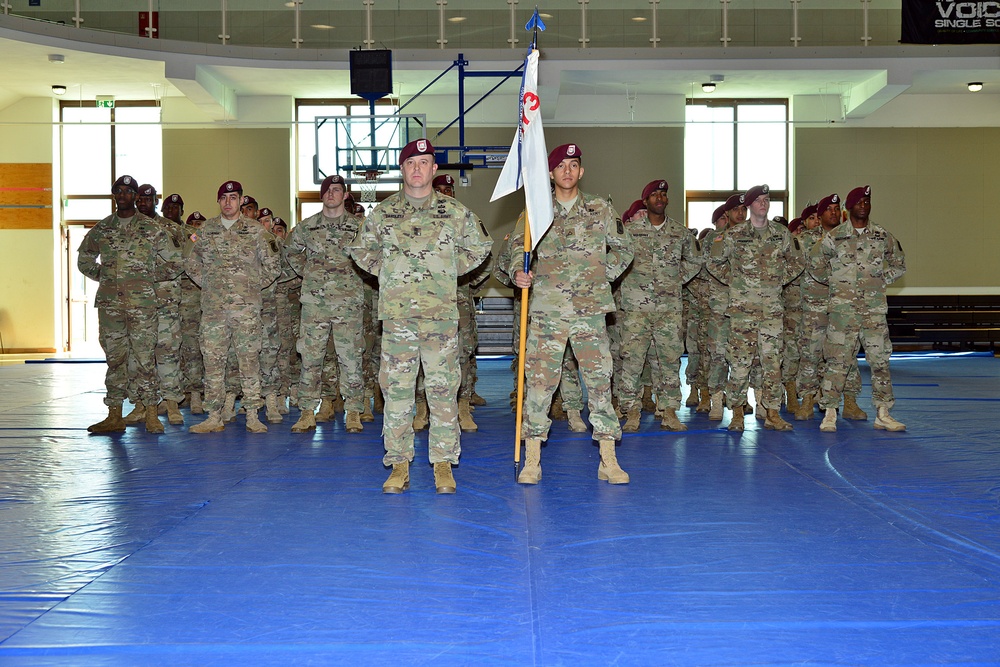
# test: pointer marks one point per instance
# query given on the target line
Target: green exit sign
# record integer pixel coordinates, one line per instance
(105, 102)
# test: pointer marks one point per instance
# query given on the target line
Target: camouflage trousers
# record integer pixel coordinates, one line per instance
(468, 339)
(569, 381)
(751, 337)
(270, 369)
(695, 307)
(812, 359)
(168, 341)
(847, 331)
(791, 336)
(192, 365)
(239, 328)
(644, 333)
(373, 340)
(406, 346)
(716, 346)
(341, 330)
(128, 337)
(545, 351)
(288, 327)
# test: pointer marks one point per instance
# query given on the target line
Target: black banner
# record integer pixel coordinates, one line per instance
(951, 22)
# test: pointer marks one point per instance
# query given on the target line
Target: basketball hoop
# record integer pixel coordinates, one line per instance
(368, 187)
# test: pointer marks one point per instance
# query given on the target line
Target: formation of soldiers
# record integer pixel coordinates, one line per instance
(374, 314)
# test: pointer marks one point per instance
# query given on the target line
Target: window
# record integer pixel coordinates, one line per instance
(730, 146)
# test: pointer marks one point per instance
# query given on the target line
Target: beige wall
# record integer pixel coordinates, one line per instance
(933, 188)
(29, 297)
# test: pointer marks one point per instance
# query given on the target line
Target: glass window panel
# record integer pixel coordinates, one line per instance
(88, 209)
(86, 151)
(708, 148)
(310, 208)
(700, 214)
(762, 144)
(139, 145)
(307, 142)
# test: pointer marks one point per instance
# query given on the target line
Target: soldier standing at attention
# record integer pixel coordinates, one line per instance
(418, 243)
(332, 304)
(730, 214)
(191, 360)
(760, 257)
(127, 253)
(232, 260)
(861, 259)
(586, 248)
(666, 257)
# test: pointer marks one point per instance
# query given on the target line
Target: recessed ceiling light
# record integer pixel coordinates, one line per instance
(321, 26)
(456, 19)
(638, 19)
(546, 16)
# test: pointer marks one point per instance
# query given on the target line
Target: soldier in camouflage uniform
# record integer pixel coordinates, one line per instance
(861, 260)
(760, 258)
(192, 365)
(418, 243)
(666, 257)
(730, 214)
(586, 248)
(127, 253)
(232, 260)
(332, 304)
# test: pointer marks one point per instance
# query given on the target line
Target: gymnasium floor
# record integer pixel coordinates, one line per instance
(855, 548)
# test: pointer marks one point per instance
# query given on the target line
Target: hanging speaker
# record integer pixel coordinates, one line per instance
(371, 73)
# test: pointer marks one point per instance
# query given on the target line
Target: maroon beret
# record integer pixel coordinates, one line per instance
(754, 192)
(195, 217)
(414, 148)
(808, 212)
(794, 225)
(443, 179)
(719, 212)
(825, 202)
(855, 195)
(359, 209)
(175, 199)
(126, 181)
(278, 222)
(636, 206)
(147, 190)
(733, 202)
(247, 200)
(560, 153)
(230, 186)
(265, 212)
(330, 180)
(652, 187)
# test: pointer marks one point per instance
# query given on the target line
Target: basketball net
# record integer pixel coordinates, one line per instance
(368, 187)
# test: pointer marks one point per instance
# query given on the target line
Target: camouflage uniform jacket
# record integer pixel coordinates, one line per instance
(169, 288)
(419, 253)
(861, 266)
(502, 263)
(665, 260)
(232, 265)
(133, 256)
(760, 263)
(317, 250)
(816, 276)
(577, 259)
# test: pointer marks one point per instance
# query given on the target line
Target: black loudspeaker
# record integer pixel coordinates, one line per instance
(371, 73)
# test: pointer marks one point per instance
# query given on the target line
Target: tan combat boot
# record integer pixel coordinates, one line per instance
(213, 424)
(161, 408)
(465, 420)
(704, 400)
(326, 410)
(476, 399)
(773, 421)
(444, 481)
(829, 423)
(609, 469)
(421, 420)
(379, 401)
(852, 410)
(576, 423)
(632, 423)
(197, 407)
(670, 421)
(531, 473)
(791, 397)
(647, 399)
(717, 407)
(352, 422)
(692, 399)
(174, 415)
(399, 478)
(271, 409)
(885, 422)
(229, 409)
(761, 412)
(366, 414)
(137, 414)
(338, 404)
(113, 423)
(282, 404)
(254, 424)
(805, 411)
(306, 422)
(153, 423)
(736, 423)
(556, 412)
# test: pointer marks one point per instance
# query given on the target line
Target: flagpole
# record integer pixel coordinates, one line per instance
(521, 344)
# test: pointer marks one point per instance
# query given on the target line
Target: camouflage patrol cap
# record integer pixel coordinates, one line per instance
(331, 180)
(175, 199)
(826, 202)
(414, 148)
(443, 179)
(126, 181)
(636, 206)
(808, 211)
(247, 201)
(719, 212)
(856, 195)
(264, 212)
(753, 193)
(734, 201)
(560, 153)
(230, 186)
(147, 190)
(652, 187)
(195, 217)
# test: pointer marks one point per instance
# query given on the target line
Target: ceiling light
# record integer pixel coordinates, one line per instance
(322, 26)
(708, 87)
(57, 58)
(58, 90)
(638, 19)
(975, 86)
(456, 19)
(545, 16)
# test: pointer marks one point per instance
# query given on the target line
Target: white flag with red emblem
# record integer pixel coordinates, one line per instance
(527, 164)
